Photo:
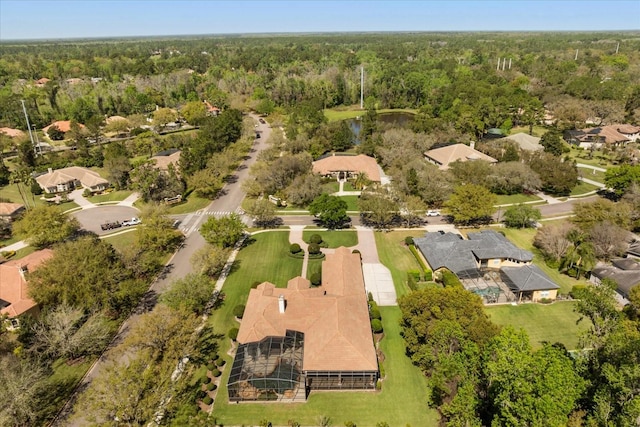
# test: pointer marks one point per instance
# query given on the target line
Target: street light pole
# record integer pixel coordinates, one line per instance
(38, 147)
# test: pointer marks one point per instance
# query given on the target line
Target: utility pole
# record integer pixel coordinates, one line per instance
(498, 66)
(576, 58)
(504, 63)
(361, 88)
(617, 47)
(509, 63)
(24, 109)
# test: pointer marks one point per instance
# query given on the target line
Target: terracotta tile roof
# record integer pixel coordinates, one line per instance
(608, 134)
(353, 164)
(9, 209)
(211, 108)
(449, 154)
(13, 133)
(87, 177)
(13, 286)
(333, 317)
(63, 125)
(627, 129)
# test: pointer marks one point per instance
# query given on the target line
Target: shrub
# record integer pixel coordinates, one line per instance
(316, 278)
(255, 284)
(206, 379)
(295, 248)
(211, 386)
(411, 282)
(36, 189)
(415, 274)
(545, 300)
(207, 400)
(49, 195)
(201, 394)
(450, 279)
(233, 333)
(370, 296)
(408, 240)
(374, 313)
(238, 310)
(376, 326)
(215, 373)
(315, 238)
(86, 193)
(577, 290)
(355, 251)
(8, 254)
(211, 366)
(220, 361)
(428, 275)
(314, 249)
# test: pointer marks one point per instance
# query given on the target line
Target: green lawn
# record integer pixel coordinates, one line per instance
(524, 239)
(552, 323)
(330, 187)
(122, 240)
(348, 187)
(334, 239)
(583, 188)
(11, 193)
(352, 202)
(113, 196)
(401, 402)
(516, 198)
(591, 174)
(61, 384)
(537, 130)
(354, 111)
(597, 159)
(192, 204)
(397, 257)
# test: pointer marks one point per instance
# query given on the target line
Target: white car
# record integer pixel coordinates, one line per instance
(433, 212)
(132, 221)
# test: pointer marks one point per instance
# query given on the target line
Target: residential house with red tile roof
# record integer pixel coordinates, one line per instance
(300, 338)
(345, 166)
(14, 289)
(443, 156)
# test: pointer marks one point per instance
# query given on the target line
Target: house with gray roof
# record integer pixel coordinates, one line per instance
(485, 251)
(624, 271)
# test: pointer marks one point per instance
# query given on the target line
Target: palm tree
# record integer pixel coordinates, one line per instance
(361, 181)
(581, 257)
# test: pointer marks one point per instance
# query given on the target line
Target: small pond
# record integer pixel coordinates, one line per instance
(399, 119)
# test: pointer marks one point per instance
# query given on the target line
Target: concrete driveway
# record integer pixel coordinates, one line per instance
(90, 219)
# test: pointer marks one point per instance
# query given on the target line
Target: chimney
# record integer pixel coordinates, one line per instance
(472, 144)
(23, 271)
(50, 170)
(281, 304)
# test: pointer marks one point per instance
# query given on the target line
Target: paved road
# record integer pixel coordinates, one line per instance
(179, 265)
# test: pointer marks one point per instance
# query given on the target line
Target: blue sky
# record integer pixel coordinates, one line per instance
(23, 19)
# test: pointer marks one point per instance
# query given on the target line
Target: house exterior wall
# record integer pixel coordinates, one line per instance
(551, 294)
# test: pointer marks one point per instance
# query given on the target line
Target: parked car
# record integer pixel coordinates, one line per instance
(110, 225)
(262, 121)
(132, 221)
(433, 212)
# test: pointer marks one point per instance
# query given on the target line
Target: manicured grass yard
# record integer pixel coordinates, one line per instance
(352, 202)
(397, 257)
(352, 112)
(192, 204)
(517, 198)
(11, 193)
(591, 174)
(552, 323)
(401, 402)
(122, 240)
(113, 196)
(334, 239)
(583, 188)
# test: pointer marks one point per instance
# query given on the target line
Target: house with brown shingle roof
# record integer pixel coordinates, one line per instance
(300, 338)
(163, 159)
(344, 166)
(443, 156)
(14, 295)
(68, 179)
(9, 211)
(609, 135)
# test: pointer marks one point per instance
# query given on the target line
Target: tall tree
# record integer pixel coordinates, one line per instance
(224, 231)
(45, 225)
(471, 204)
(521, 216)
(330, 210)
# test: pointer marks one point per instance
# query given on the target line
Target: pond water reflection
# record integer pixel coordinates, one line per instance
(398, 119)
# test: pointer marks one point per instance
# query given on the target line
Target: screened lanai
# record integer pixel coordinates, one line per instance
(269, 369)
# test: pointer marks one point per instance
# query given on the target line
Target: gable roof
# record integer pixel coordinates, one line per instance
(445, 155)
(353, 164)
(14, 298)
(451, 251)
(527, 278)
(525, 141)
(87, 177)
(334, 317)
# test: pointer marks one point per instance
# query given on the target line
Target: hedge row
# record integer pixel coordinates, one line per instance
(426, 272)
